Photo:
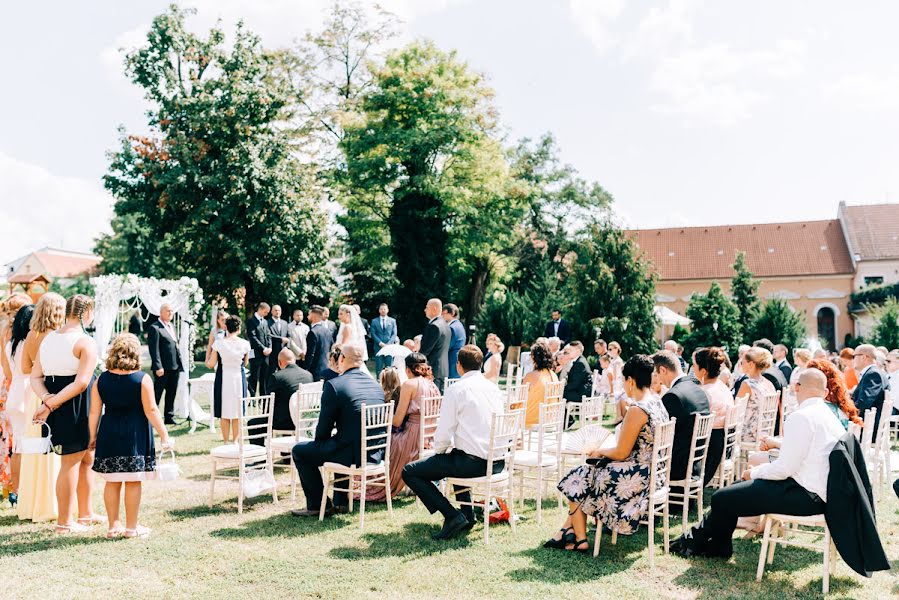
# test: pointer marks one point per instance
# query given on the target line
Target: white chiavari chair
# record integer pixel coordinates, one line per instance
(692, 484)
(542, 463)
(429, 414)
(733, 428)
(305, 406)
(764, 427)
(778, 527)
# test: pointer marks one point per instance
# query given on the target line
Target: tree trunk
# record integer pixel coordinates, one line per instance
(474, 300)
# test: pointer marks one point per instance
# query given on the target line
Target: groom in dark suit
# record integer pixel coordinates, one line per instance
(338, 435)
(261, 344)
(435, 342)
(318, 343)
(165, 361)
(558, 327)
(383, 332)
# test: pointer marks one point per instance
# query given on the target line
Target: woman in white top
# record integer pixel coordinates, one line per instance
(18, 393)
(61, 378)
(234, 354)
(494, 364)
(616, 366)
(801, 356)
(352, 331)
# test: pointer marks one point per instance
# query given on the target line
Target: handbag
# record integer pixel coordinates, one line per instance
(167, 471)
(37, 445)
(257, 482)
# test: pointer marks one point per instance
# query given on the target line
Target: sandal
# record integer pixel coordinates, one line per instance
(115, 533)
(92, 520)
(575, 547)
(138, 532)
(565, 540)
(75, 528)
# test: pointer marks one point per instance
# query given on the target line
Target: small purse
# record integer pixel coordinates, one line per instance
(167, 471)
(257, 482)
(37, 445)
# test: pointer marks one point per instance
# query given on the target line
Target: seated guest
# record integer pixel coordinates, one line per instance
(683, 401)
(333, 361)
(493, 360)
(872, 383)
(846, 361)
(404, 438)
(755, 386)
(801, 356)
(838, 399)
(390, 383)
(283, 383)
(725, 377)
(616, 488)
(707, 364)
(537, 380)
(461, 443)
(780, 361)
(338, 433)
(579, 382)
(794, 484)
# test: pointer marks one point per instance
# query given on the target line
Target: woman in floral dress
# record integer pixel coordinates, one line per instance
(616, 488)
(754, 387)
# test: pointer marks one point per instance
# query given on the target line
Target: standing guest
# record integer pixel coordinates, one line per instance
(537, 379)
(17, 394)
(683, 401)
(846, 361)
(558, 327)
(260, 337)
(283, 383)
(123, 439)
(461, 444)
(457, 331)
(493, 360)
(338, 434)
(280, 337)
(383, 332)
(166, 360)
(616, 488)
(579, 382)
(38, 472)
(671, 346)
(404, 438)
(233, 352)
(821, 353)
(707, 365)
(435, 341)
(61, 377)
(297, 332)
(390, 383)
(755, 387)
(331, 325)
(871, 389)
(333, 369)
(601, 348)
(616, 365)
(318, 343)
(217, 332)
(801, 356)
(781, 362)
(794, 484)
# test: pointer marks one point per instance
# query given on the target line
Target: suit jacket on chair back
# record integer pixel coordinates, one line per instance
(684, 401)
(343, 399)
(163, 348)
(435, 343)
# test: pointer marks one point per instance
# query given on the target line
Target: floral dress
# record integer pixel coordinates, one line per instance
(758, 387)
(617, 492)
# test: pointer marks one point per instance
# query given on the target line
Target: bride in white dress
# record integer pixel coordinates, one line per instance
(352, 331)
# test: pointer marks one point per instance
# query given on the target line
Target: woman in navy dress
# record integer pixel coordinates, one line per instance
(123, 437)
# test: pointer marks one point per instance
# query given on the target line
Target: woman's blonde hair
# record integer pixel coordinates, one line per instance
(760, 357)
(49, 314)
(124, 353)
(803, 354)
(76, 306)
(12, 304)
(390, 382)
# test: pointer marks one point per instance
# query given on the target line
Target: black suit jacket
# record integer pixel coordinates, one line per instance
(870, 393)
(579, 381)
(786, 370)
(342, 401)
(684, 401)
(163, 349)
(564, 331)
(318, 345)
(849, 510)
(435, 343)
(283, 383)
(260, 336)
(277, 329)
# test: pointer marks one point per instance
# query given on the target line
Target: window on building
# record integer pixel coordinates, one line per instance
(873, 280)
(827, 333)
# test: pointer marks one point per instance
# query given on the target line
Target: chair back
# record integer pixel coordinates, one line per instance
(516, 397)
(592, 408)
(376, 420)
(699, 446)
(881, 440)
(733, 426)
(662, 447)
(767, 415)
(305, 406)
(552, 391)
(505, 429)
(550, 425)
(429, 414)
(510, 375)
(868, 430)
(450, 381)
(255, 407)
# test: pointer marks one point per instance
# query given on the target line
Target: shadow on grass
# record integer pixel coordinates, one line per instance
(285, 525)
(414, 542)
(25, 543)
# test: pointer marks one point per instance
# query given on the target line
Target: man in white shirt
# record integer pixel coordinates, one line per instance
(297, 332)
(794, 484)
(461, 443)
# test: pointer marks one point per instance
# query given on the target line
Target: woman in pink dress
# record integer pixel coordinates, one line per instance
(404, 439)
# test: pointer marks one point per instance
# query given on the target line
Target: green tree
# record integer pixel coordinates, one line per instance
(679, 333)
(611, 287)
(80, 284)
(744, 292)
(779, 323)
(886, 328)
(714, 321)
(214, 190)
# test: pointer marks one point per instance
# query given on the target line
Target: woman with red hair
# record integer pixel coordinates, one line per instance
(838, 399)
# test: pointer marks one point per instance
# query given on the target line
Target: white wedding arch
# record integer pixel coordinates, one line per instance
(117, 296)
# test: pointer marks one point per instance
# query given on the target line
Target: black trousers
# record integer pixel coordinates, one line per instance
(259, 370)
(751, 499)
(713, 455)
(308, 457)
(421, 475)
(167, 383)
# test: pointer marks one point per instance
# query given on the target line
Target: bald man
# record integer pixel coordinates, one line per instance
(165, 360)
(435, 341)
(794, 484)
(283, 383)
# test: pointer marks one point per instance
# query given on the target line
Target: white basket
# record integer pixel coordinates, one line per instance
(167, 471)
(36, 445)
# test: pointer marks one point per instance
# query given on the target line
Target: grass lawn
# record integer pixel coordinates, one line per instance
(201, 552)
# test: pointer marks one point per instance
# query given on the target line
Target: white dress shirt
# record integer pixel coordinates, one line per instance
(466, 415)
(810, 433)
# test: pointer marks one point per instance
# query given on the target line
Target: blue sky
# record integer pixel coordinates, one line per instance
(689, 112)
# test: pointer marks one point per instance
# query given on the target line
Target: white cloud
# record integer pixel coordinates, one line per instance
(866, 91)
(43, 209)
(597, 19)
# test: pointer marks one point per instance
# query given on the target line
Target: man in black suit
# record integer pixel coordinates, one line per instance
(165, 360)
(781, 362)
(872, 384)
(283, 383)
(683, 401)
(578, 381)
(280, 337)
(343, 399)
(435, 341)
(318, 343)
(558, 327)
(261, 345)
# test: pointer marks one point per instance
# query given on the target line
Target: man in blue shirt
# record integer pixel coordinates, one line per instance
(451, 316)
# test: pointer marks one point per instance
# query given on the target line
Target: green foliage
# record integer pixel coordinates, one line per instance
(744, 293)
(715, 322)
(874, 295)
(779, 323)
(886, 329)
(214, 191)
(679, 333)
(79, 285)
(850, 341)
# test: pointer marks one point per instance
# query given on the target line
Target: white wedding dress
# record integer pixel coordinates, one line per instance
(354, 333)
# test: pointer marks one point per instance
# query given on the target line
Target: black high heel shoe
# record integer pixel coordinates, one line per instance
(13, 499)
(567, 538)
(577, 546)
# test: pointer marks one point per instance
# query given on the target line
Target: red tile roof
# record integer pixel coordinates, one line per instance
(26, 278)
(772, 250)
(66, 264)
(873, 230)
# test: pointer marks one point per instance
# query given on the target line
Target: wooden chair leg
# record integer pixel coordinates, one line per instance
(388, 488)
(825, 580)
(212, 484)
(650, 526)
(777, 530)
(486, 515)
(240, 489)
(362, 501)
(665, 527)
(271, 470)
(324, 502)
(598, 537)
(540, 494)
(764, 549)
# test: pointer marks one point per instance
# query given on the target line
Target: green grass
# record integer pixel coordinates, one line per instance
(201, 552)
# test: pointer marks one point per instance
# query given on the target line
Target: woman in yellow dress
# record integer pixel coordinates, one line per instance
(37, 482)
(537, 379)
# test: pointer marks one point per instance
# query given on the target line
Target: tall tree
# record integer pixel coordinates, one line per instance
(744, 292)
(779, 323)
(714, 321)
(214, 182)
(886, 328)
